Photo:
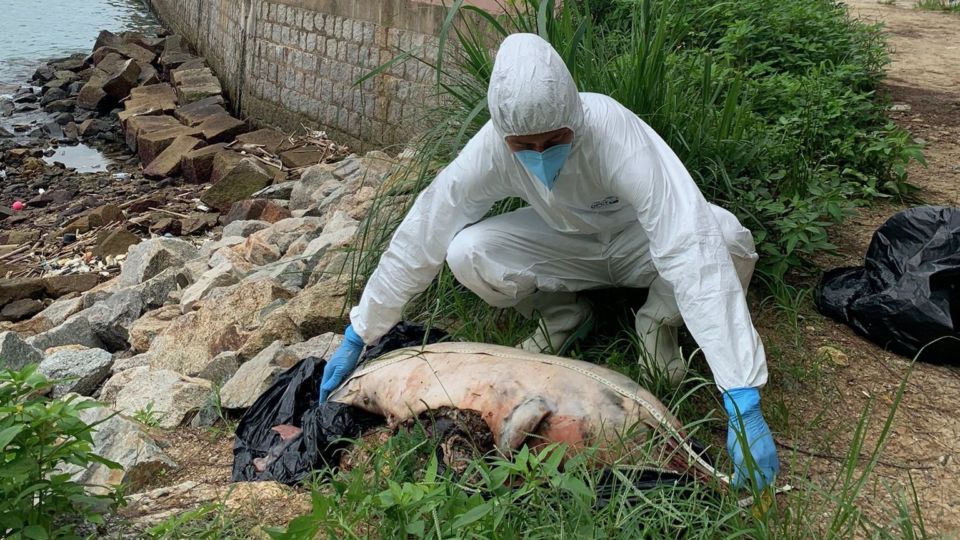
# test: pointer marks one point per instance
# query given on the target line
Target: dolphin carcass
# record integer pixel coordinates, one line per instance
(529, 398)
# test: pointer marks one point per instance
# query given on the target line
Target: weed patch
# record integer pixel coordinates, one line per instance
(210, 521)
(38, 436)
(147, 416)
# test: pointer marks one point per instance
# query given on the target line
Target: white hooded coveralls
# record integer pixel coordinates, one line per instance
(624, 212)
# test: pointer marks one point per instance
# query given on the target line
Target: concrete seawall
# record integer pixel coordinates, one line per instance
(294, 62)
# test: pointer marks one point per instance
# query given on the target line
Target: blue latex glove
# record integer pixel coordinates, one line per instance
(341, 364)
(743, 404)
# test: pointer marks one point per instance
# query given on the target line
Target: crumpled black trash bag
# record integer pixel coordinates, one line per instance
(907, 293)
(292, 400)
(611, 486)
(402, 335)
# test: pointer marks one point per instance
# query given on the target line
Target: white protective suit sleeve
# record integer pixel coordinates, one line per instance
(686, 247)
(531, 91)
(461, 194)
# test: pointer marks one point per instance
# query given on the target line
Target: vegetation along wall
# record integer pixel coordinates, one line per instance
(294, 62)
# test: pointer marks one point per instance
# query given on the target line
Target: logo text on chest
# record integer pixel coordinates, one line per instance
(605, 203)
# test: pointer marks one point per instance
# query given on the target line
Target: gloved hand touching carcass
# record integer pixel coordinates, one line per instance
(341, 364)
(746, 429)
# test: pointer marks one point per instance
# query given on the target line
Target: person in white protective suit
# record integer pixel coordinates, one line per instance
(610, 205)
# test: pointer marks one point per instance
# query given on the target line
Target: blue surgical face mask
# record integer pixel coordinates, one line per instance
(545, 165)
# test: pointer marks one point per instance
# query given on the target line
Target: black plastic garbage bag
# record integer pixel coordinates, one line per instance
(310, 435)
(403, 335)
(261, 453)
(907, 293)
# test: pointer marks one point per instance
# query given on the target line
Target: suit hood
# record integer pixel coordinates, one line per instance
(531, 90)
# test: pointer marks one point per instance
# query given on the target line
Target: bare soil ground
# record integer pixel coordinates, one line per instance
(825, 397)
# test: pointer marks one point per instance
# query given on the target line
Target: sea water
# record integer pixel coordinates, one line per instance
(32, 31)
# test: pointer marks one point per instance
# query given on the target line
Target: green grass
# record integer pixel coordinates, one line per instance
(210, 521)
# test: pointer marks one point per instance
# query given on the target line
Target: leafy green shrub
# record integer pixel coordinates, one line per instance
(37, 435)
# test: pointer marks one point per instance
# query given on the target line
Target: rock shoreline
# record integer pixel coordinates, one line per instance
(208, 255)
(178, 161)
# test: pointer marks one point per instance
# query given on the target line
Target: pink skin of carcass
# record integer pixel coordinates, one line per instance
(523, 397)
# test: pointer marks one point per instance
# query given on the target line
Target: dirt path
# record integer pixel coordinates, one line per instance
(925, 74)
(825, 398)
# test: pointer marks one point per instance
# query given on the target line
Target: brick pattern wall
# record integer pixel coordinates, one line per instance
(293, 63)
(222, 38)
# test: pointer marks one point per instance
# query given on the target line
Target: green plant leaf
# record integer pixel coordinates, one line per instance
(8, 435)
(36, 532)
(474, 514)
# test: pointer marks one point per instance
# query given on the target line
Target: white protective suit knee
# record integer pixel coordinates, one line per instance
(659, 318)
(517, 260)
(620, 186)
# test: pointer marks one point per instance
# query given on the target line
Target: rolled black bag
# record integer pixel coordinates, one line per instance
(264, 451)
(906, 296)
